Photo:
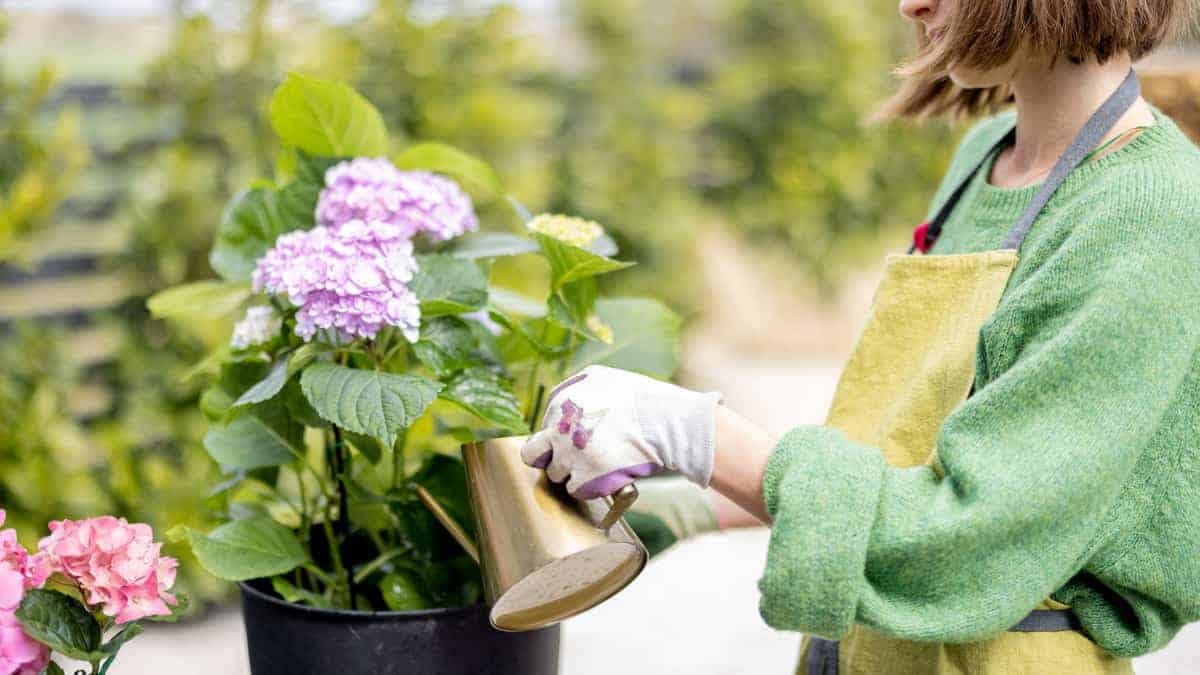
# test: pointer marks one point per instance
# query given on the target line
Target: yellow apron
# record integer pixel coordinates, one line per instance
(913, 364)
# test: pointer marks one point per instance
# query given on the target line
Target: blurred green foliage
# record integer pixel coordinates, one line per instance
(657, 119)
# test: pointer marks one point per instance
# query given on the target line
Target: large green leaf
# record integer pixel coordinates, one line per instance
(60, 622)
(491, 245)
(249, 227)
(448, 285)
(485, 394)
(326, 118)
(198, 300)
(367, 401)
(298, 199)
(645, 338)
(569, 263)
(245, 549)
(249, 442)
(479, 178)
(446, 345)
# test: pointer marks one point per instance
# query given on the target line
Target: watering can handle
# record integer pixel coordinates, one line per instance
(622, 500)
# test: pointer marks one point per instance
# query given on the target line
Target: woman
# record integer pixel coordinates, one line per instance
(1007, 481)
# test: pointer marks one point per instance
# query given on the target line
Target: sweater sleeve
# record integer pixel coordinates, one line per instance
(1077, 368)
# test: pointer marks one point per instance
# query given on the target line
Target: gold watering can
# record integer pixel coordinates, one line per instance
(545, 556)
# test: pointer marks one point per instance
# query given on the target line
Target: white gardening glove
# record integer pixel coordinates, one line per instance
(604, 427)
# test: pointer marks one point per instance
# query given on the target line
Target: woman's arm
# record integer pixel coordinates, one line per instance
(739, 461)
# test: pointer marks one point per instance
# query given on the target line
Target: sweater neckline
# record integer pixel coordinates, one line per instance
(1002, 201)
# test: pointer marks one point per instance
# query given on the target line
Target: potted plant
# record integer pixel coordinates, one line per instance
(379, 337)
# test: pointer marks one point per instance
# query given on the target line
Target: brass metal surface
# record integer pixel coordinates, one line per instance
(544, 555)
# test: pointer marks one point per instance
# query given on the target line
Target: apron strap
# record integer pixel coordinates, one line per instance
(1047, 621)
(1100, 123)
(1097, 126)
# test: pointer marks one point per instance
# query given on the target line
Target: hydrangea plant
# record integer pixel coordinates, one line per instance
(88, 579)
(374, 335)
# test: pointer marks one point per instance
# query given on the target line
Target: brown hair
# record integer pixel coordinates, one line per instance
(985, 34)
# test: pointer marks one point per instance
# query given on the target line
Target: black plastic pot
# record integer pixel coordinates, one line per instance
(288, 639)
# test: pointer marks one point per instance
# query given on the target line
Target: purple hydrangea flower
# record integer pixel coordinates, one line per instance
(374, 191)
(351, 280)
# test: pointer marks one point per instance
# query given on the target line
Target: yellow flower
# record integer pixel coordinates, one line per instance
(567, 229)
(600, 329)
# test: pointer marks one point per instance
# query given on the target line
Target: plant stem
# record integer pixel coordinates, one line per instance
(378, 562)
(537, 407)
(398, 476)
(341, 468)
(534, 390)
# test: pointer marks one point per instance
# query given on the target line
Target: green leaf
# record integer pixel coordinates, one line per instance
(569, 263)
(483, 393)
(491, 245)
(291, 593)
(267, 387)
(479, 178)
(571, 305)
(249, 227)
(529, 333)
(304, 355)
(645, 338)
(448, 285)
(249, 442)
(298, 199)
(402, 592)
(245, 549)
(60, 622)
(367, 401)
(446, 344)
(299, 408)
(326, 118)
(369, 446)
(199, 300)
(52, 668)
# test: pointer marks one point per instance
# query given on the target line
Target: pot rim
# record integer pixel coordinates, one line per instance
(436, 612)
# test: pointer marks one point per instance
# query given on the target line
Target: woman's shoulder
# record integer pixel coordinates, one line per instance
(1152, 184)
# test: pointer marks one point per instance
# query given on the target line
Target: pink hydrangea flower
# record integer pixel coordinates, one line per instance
(351, 280)
(19, 654)
(373, 190)
(116, 564)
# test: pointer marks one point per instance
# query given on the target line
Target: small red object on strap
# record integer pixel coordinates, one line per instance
(921, 240)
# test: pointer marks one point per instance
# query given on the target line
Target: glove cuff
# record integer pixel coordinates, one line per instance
(681, 426)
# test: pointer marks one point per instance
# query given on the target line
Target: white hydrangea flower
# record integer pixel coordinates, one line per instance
(259, 326)
(567, 229)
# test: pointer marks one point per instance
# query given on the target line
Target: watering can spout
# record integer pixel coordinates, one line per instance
(545, 556)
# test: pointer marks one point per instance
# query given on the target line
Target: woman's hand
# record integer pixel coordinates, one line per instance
(605, 427)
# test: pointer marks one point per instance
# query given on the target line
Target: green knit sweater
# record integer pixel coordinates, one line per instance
(1074, 469)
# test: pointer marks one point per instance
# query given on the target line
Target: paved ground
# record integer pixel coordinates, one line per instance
(694, 611)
